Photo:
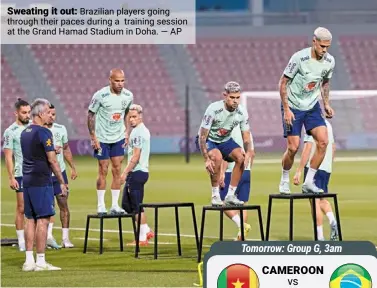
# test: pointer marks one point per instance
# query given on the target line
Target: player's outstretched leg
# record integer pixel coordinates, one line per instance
(116, 163)
(238, 156)
(293, 143)
(320, 136)
(326, 208)
(216, 158)
(242, 193)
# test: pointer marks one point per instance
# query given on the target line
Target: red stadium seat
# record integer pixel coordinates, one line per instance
(10, 91)
(84, 68)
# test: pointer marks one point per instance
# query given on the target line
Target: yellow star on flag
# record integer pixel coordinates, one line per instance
(238, 284)
(48, 142)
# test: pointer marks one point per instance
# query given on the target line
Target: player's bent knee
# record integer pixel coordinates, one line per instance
(293, 148)
(322, 144)
(215, 156)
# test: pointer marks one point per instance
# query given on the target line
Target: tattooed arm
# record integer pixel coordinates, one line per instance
(203, 142)
(325, 97)
(326, 91)
(283, 91)
(92, 124)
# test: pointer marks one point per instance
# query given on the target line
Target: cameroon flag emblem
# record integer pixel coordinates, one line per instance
(238, 276)
(350, 276)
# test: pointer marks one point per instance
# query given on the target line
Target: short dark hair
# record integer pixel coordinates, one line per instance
(52, 106)
(19, 103)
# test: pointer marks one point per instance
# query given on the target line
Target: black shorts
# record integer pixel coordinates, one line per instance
(133, 191)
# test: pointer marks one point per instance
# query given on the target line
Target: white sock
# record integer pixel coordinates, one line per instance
(216, 191)
(285, 175)
(310, 175)
(330, 216)
(236, 219)
(320, 232)
(231, 190)
(20, 236)
(115, 197)
(65, 233)
(41, 259)
(101, 198)
(29, 257)
(49, 231)
(143, 233)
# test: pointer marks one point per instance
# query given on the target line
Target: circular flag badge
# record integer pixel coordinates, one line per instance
(350, 276)
(238, 276)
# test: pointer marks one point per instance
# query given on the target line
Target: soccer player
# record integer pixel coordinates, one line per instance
(308, 72)
(136, 173)
(243, 189)
(322, 178)
(215, 142)
(12, 147)
(39, 161)
(107, 118)
(60, 135)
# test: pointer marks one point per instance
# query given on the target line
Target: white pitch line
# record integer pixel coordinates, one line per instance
(131, 232)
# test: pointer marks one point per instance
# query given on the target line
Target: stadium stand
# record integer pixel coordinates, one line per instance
(360, 56)
(257, 63)
(76, 71)
(9, 87)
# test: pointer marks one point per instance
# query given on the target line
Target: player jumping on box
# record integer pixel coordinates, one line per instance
(215, 142)
(322, 178)
(307, 74)
(109, 132)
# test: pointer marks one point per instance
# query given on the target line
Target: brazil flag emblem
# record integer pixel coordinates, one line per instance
(350, 276)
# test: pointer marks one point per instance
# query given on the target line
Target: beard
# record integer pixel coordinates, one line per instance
(24, 121)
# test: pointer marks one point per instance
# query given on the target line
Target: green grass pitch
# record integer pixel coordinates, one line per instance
(172, 180)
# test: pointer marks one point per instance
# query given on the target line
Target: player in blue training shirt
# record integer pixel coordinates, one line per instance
(39, 161)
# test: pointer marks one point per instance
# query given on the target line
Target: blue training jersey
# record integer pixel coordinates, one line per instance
(35, 142)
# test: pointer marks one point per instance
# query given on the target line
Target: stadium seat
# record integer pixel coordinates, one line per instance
(360, 58)
(83, 69)
(300, 196)
(10, 91)
(221, 209)
(101, 218)
(157, 206)
(255, 62)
